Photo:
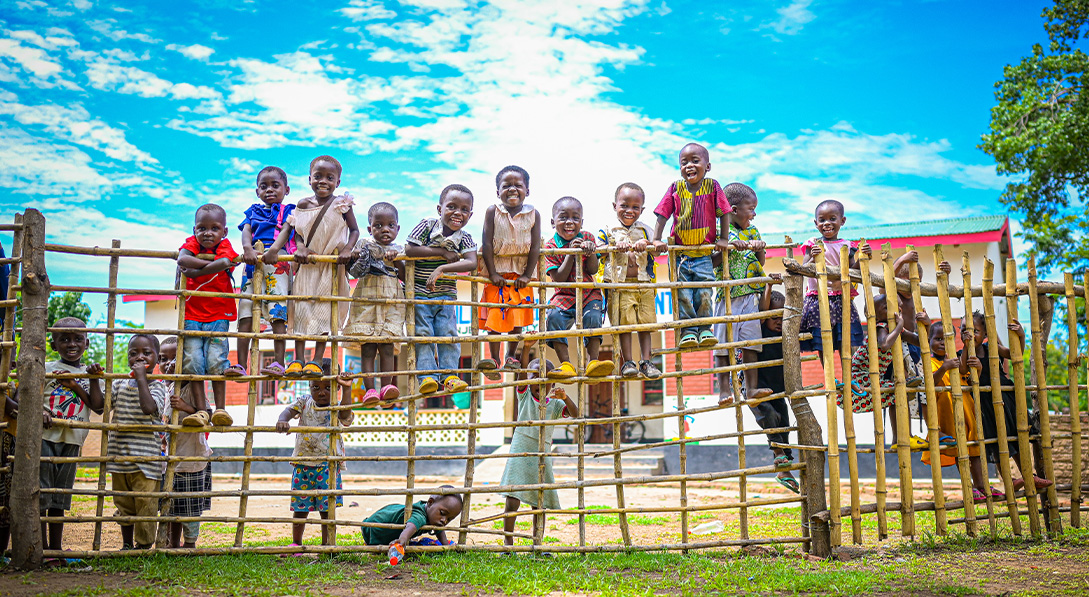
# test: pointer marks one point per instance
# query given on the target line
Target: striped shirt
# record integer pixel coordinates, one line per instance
(127, 411)
(428, 233)
(695, 215)
(564, 298)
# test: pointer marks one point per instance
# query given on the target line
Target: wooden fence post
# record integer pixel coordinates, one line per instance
(26, 530)
(809, 430)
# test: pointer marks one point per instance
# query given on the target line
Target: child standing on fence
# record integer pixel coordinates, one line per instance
(437, 511)
(701, 215)
(567, 220)
(829, 218)
(188, 476)
(379, 278)
(318, 232)
(207, 355)
(263, 222)
(631, 263)
(446, 248)
(746, 260)
(510, 247)
(525, 470)
(313, 473)
(73, 400)
(138, 401)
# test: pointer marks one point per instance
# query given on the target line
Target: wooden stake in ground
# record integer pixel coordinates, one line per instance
(1017, 372)
(1039, 367)
(876, 392)
(678, 365)
(903, 417)
(107, 408)
(997, 403)
(1075, 401)
(968, 322)
(846, 351)
(474, 397)
(834, 489)
(26, 532)
(251, 396)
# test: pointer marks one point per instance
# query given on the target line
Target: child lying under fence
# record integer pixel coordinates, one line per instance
(313, 474)
(437, 511)
(525, 470)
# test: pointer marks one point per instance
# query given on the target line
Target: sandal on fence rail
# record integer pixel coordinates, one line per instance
(978, 495)
(389, 392)
(370, 398)
(782, 461)
(273, 370)
(512, 364)
(486, 365)
(312, 369)
(294, 369)
(997, 495)
(790, 483)
(946, 441)
(197, 419)
(235, 370)
(220, 418)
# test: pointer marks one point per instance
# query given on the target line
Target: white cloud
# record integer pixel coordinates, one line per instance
(82, 4)
(366, 10)
(109, 75)
(108, 27)
(792, 17)
(193, 52)
(44, 70)
(35, 167)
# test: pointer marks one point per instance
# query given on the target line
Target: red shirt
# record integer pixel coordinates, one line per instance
(206, 309)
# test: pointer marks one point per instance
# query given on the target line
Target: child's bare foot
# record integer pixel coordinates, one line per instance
(726, 400)
(758, 393)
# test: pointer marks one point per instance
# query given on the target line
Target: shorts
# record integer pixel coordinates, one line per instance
(743, 330)
(562, 319)
(632, 307)
(128, 505)
(53, 475)
(206, 355)
(498, 319)
(311, 478)
(271, 311)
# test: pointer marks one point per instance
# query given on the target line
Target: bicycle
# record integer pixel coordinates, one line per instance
(631, 432)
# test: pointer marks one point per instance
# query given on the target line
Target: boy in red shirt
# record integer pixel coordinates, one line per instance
(206, 259)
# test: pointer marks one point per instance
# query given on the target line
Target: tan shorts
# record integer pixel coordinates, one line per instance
(275, 284)
(632, 307)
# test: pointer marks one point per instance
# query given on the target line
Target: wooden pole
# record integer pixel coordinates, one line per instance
(107, 409)
(678, 365)
(834, 489)
(809, 430)
(410, 411)
(903, 418)
(997, 403)
(251, 396)
(876, 396)
(1072, 361)
(26, 532)
(334, 393)
(969, 340)
(1039, 367)
(1017, 372)
(846, 351)
(162, 537)
(474, 397)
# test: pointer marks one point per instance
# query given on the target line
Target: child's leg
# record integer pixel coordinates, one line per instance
(190, 532)
(387, 362)
(194, 360)
(327, 531)
(175, 534)
(279, 345)
(298, 528)
(426, 360)
(512, 347)
(752, 380)
(367, 352)
(126, 536)
(300, 351)
(242, 350)
(979, 480)
(5, 536)
(495, 349)
(446, 324)
(219, 394)
(725, 387)
(593, 346)
(625, 348)
(125, 505)
(144, 532)
(56, 529)
(319, 351)
(216, 351)
(512, 505)
(559, 345)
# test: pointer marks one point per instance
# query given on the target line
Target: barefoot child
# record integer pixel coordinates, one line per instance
(313, 473)
(324, 224)
(263, 222)
(437, 511)
(746, 260)
(524, 470)
(774, 414)
(207, 355)
(450, 249)
(701, 215)
(379, 277)
(567, 220)
(73, 400)
(189, 476)
(632, 263)
(138, 401)
(510, 247)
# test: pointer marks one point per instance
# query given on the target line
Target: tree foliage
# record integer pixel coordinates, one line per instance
(70, 304)
(1039, 134)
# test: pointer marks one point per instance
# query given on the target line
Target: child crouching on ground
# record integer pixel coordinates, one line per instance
(138, 401)
(437, 511)
(313, 473)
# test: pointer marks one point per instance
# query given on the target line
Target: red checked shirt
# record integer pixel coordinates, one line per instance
(207, 309)
(564, 298)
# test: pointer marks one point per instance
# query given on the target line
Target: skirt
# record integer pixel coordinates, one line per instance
(188, 482)
(377, 319)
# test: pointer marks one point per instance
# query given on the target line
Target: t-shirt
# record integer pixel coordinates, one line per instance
(946, 418)
(428, 233)
(395, 514)
(831, 257)
(127, 411)
(743, 264)
(770, 377)
(62, 403)
(695, 215)
(564, 298)
(206, 309)
(264, 227)
(314, 444)
(615, 265)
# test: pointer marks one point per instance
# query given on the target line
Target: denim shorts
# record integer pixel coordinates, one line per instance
(593, 317)
(206, 355)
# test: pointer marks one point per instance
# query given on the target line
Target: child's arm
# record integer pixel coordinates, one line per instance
(659, 229)
(147, 401)
(407, 534)
(193, 266)
(249, 255)
(283, 424)
(353, 235)
(946, 365)
(345, 381)
(972, 362)
(1018, 330)
(885, 339)
(723, 232)
(466, 264)
(94, 400)
(441, 536)
(765, 301)
(564, 271)
(852, 262)
(534, 253)
(179, 403)
(589, 248)
(487, 250)
(412, 250)
(571, 407)
(271, 253)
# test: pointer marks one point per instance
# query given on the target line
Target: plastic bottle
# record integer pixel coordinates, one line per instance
(396, 554)
(709, 528)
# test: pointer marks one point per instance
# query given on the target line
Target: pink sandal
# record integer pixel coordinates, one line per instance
(390, 392)
(235, 370)
(370, 398)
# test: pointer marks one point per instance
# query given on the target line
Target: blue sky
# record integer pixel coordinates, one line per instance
(119, 119)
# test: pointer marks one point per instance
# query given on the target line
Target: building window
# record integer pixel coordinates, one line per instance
(654, 389)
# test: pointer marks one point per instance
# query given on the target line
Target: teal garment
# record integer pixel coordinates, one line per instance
(394, 514)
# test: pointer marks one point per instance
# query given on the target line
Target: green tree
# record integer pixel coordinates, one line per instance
(1039, 134)
(70, 304)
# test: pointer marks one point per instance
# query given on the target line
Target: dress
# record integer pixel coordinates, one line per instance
(314, 317)
(947, 420)
(377, 279)
(860, 377)
(512, 239)
(523, 470)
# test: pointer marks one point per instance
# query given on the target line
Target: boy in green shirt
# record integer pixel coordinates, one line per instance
(437, 511)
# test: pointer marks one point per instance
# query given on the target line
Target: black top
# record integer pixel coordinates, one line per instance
(770, 377)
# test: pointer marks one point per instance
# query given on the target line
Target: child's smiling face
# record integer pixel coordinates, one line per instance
(829, 220)
(455, 210)
(512, 190)
(271, 189)
(383, 227)
(744, 213)
(142, 352)
(324, 179)
(567, 218)
(209, 228)
(168, 354)
(628, 205)
(69, 345)
(695, 163)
